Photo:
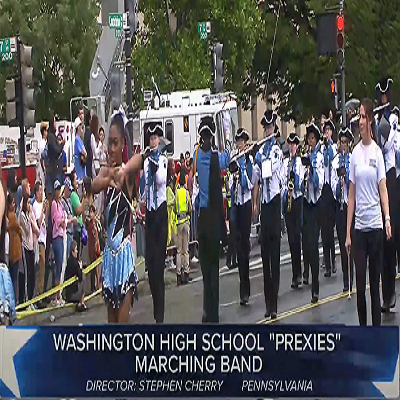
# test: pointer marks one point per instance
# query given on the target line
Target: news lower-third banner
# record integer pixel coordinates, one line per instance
(257, 361)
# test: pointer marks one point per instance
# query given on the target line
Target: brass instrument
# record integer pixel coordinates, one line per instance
(341, 193)
(305, 152)
(290, 186)
(341, 189)
(248, 148)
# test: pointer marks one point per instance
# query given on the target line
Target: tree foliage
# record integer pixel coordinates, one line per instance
(64, 35)
(300, 77)
(179, 60)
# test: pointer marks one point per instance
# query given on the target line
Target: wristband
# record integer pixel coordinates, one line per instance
(387, 218)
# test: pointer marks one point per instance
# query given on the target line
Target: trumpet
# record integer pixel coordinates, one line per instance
(341, 193)
(290, 194)
(250, 147)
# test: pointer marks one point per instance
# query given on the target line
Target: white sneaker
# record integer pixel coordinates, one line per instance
(194, 259)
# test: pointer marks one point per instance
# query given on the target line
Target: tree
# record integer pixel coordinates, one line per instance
(64, 35)
(300, 77)
(179, 60)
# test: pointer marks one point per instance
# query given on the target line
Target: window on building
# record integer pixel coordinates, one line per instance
(186, 123)
(169, 134)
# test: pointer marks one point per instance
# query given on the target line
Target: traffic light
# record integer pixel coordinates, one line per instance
(11, 107)
(340, 38)
(334, 92)
(28, 90)
(219, 68)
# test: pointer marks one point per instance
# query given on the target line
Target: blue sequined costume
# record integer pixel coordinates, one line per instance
(119, 273)
(7, 297)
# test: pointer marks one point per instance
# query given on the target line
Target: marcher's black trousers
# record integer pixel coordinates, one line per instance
(327, 223)
(156, 247)
(243, 214)
(270, 251)
(368, 249)
(293, 225)
(310, 243)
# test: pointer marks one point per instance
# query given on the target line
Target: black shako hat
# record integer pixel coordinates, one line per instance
(312, 128)
(383, 86)
(293, 138)
(330, 123)
(207, 126)
(155, 128)
(269, 118)
(346, 132)
(242, 134)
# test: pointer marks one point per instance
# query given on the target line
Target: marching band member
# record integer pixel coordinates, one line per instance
(312, 185)
(327, 215)
(119, 278)
(207, 163)
(396, 111)
(292, 199)
(268, 163)
(243, 186)
(340, 187)
(386, 122)
(155, 167)
(368, 200)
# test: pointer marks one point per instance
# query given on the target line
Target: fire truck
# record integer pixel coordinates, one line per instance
(180, 113)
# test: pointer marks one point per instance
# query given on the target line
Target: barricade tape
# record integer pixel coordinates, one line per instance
(56, 289)
(23, 314)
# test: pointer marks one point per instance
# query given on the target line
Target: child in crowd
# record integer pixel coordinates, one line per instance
(75, 293)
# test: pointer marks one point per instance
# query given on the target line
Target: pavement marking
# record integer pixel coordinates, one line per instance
(257, 264)
(299, 310)
(231, 303)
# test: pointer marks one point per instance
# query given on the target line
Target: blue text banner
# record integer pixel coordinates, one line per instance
(156, 361)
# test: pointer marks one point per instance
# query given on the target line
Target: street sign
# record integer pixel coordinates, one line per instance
(115, 21)
(203, 29)
(118, 33)
(8, 46)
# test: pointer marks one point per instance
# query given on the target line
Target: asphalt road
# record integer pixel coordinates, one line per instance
(184, 303)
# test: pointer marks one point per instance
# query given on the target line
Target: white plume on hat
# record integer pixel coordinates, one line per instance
(120, 111)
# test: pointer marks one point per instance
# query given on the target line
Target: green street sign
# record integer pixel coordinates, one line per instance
(115, 21)
(203, 29)
(118, 33)
(8, 46)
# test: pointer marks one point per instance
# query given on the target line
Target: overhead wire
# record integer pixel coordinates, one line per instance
(272, 49)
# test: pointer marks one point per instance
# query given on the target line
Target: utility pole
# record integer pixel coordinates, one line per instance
(341, 10)
(128, 72)
(20, 112)
(212, 50)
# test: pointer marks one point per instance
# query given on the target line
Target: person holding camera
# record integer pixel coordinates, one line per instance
(340, 188)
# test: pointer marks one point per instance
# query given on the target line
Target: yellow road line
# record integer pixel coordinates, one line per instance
(298, 310)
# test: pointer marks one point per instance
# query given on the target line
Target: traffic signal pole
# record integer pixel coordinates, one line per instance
(128, 72)
(20, 112)
(212, 64)
(342, 72)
